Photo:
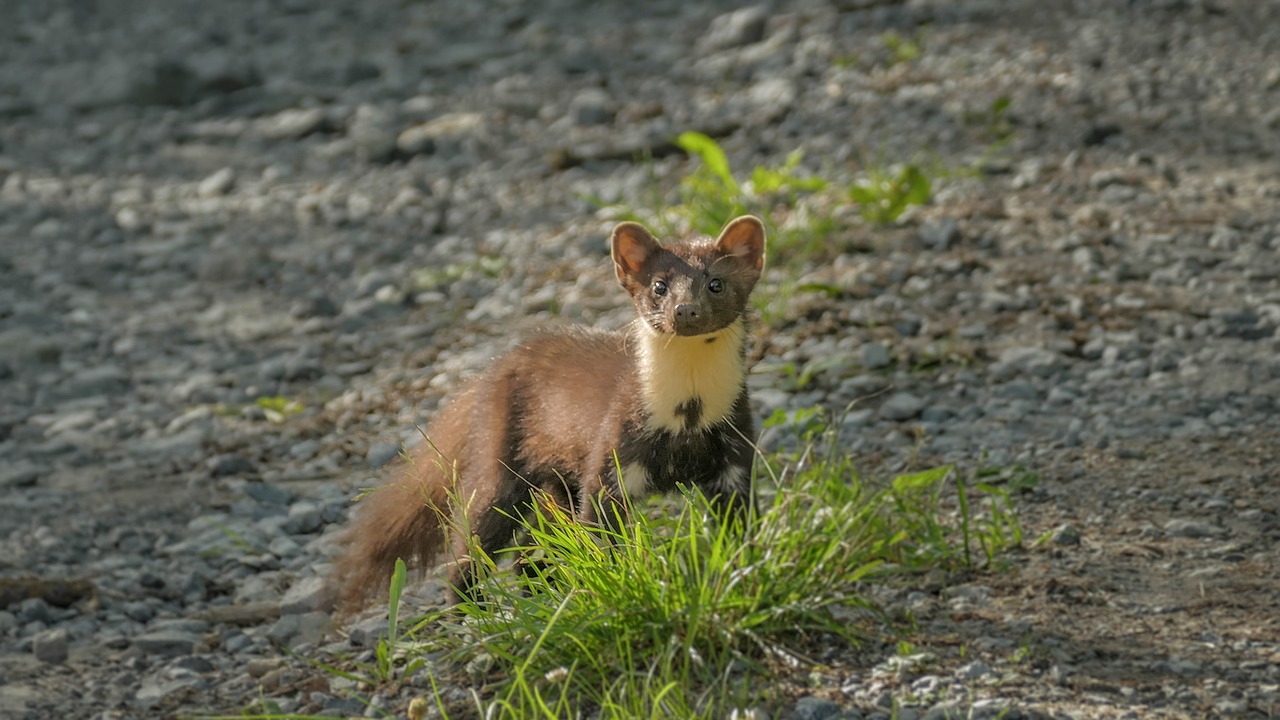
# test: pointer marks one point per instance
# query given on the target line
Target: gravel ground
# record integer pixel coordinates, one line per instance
(349, 205)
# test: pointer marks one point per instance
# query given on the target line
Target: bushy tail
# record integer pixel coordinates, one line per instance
(402, 519)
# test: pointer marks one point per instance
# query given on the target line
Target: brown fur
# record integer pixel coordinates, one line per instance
(550, 415)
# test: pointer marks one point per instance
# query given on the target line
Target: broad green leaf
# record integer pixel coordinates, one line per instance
(711, 155)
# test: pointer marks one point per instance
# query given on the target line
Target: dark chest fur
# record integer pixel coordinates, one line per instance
(702, 457)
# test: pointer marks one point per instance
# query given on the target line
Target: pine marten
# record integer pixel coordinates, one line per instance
(665, 400)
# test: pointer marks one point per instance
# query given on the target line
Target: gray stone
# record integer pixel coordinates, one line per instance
(1019, 390)
(32, 609)
(139, 611)
(304, 450)
(334, 510)
(940, 234)
(1192, 529)
(908, 326)
(973, 671)
(344, 707)
(366, 633)
(373, 130)
(309, 627)
(1032, 360)
(19, 474)
(237, 643)
(440, 134)
(293, 124)
(230, 465)
(156, 690)
(927, 685)
(318, 305)
(182, 447)
(380, 454)
(875, 356)
(771, 98)
(856, 419)
(283, 547)
(260, 562)
(108, 380)
(814, 708)
(268, 493)
(592, 106)
(936, 415)
(991, 709)
(189, 625)
(71, 422)
(312, 627)
(169, 643)
(51, 646)
(861, 386)
(193, 663)
(304, 518)
(949, 710)
(735, 29)
(263, 587)
(301, 368)
(283, 630)
(21, 345)
(219, 183)
(901, 406)
(1066, 535)
(305, 595)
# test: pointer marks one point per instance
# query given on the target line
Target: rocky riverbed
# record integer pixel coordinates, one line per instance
(246, 247)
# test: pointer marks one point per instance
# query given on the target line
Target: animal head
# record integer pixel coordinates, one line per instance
(690, 287)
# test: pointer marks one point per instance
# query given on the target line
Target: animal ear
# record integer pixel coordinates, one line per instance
(743, 238)
(632, 245)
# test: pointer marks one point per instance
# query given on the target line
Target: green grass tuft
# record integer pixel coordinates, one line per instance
(884, 196)
(678, 614)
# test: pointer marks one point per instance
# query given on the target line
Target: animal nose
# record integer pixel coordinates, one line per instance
(686, 311)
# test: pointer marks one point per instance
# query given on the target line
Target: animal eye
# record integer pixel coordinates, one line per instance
(659, 288)
(716, 285)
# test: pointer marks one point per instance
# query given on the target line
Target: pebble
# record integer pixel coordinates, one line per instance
(268, 493)
(293, 124)
(156, 690)
(302, 628)
(735, 29)
(303, 596)
(1183, 527)
(169, 643)
(303, 518)
(372, 129)
(1066, 535)
(875, 356)
(814, 708)
(230, 465)
(592, 106)
(974, 670)
(380, 454)
(940, 235)
(20, 474)
(366, 633)
(219, 183)
(901, 406)
(51, 646)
